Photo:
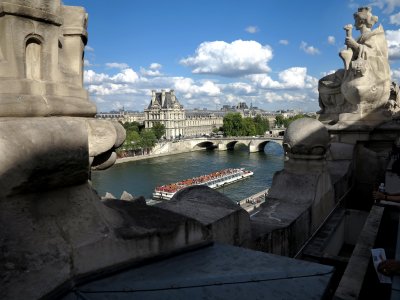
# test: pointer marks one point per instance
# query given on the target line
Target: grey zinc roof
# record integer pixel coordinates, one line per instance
(168, 103)
(214, 272)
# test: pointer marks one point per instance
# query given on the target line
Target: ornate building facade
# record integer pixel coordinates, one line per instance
(165, 108)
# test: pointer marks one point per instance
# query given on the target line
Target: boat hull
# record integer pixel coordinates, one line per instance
(214, 183)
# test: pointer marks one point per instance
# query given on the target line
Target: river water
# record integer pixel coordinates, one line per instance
(139, 178)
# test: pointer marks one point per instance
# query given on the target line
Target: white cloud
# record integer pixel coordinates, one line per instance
(252, 29)
(297, 77)
(395, 19)
(87, 63)
(292, 78)
(331, 40)
(232, 60)
(115, 65)
(284, 42)
(396, 75)
(88, 48)
(240, 88)
(150, 73)
(271, 97)
(155, 66)
(309, 49)
(91, 77)
(265, 81)
(125, 76)
(133, 91)
(393, 40)
(388, 6)
(188, 87)
(153, 70)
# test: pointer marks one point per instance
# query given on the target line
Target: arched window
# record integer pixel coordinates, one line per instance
(33, 53)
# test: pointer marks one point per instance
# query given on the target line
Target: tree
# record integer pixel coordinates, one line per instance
(248, 127)
(279, 120)
(132, 141)
(132, 126)
(158, 129)
(261, 124)
(232, 124)
(148, 139)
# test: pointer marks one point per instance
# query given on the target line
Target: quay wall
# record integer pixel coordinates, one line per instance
(163, 149)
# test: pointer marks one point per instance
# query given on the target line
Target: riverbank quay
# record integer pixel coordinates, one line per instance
(148, 156)
(161, 149)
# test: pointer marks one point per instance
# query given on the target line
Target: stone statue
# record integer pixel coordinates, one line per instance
(54, 228)
(364, 85)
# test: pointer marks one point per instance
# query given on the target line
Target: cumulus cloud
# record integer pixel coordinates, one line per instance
(395, 19)
(252, 29)
(393, 40)
(88, 48)
(115, 65)
(272, 97)
(188, 87)
(240, 88)
(396, 75)
(388, 6)
(87, 63)
(155, 66)
(230, 59)
(284, 42)
(331, 40)
(125, 76)
(153, 70)
(309, 49)
(133, 91)
(292, 78)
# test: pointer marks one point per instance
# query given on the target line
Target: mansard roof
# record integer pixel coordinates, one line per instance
(170, 100)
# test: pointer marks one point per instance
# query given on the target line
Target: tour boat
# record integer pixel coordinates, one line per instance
(214, 180)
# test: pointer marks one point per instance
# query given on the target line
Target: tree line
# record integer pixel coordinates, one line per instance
(281, 121)
(140, 140)
(235, 125)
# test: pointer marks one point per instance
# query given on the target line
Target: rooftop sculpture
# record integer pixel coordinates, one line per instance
(363, 89)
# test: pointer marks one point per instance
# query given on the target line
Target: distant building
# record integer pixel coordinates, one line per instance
(165, 108)
(122, 116)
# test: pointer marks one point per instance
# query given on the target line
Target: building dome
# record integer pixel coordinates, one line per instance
(306, 136)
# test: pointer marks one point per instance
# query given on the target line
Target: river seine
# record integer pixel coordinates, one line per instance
(139, 178)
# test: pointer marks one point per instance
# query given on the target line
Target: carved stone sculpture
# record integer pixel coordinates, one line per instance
(364, 85)
(54, 228)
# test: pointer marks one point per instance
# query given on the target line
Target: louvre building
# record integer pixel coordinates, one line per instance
(165, 108)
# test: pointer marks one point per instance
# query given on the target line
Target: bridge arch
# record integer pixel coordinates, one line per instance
(204, 145)
(231, 145)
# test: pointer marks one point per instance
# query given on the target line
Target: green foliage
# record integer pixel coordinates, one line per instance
(158, 129)
(248, 127)
(280, 120)
(261, 124)
(235, 125)
(132, 141)
(132, 126)
(139, 138)
(148, 139)
(232, 124)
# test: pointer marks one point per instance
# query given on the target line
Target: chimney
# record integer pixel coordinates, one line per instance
(172, 92)
(162, 98)
(153, 96)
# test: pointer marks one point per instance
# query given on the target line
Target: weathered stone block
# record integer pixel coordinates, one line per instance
(228, 222)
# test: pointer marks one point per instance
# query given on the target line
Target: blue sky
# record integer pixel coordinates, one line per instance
(216, 52)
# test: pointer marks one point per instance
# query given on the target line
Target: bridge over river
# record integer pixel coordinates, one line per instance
(254, 144)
